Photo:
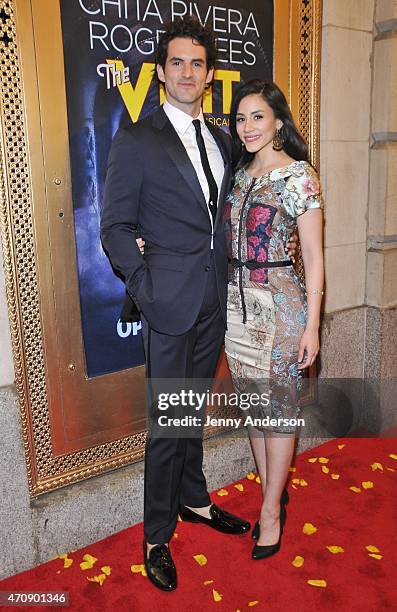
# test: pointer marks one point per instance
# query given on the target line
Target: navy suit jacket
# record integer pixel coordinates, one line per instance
(152, 185)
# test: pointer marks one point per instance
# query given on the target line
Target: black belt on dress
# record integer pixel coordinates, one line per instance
(252, 264)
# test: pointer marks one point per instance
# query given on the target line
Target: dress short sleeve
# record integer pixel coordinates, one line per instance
(302, 189)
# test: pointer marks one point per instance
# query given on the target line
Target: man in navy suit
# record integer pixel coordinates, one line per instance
(169, 174)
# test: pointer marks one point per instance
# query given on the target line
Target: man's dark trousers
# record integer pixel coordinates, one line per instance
(173, 465)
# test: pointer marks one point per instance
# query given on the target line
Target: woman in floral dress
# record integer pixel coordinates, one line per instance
(273, 319)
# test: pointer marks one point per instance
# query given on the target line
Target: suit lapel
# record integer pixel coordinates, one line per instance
(177, 152)
(227, 174)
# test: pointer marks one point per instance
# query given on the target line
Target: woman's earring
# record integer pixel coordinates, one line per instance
(278, 140)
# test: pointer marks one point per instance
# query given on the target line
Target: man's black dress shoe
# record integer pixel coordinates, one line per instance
(221, 520)
(262, 552)
(284, 501)
(160, 567)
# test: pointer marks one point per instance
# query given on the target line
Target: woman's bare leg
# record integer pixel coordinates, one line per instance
(279, 452)
(257, 441)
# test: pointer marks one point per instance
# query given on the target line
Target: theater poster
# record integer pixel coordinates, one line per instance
(76, 71)
(108, 52)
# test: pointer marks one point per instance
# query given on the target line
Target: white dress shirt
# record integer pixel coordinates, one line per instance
(183, 124)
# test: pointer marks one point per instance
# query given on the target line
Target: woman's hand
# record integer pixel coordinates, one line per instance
(308, 348)
(141, 244)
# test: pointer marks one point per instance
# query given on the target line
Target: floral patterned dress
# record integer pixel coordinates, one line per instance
(267, 308)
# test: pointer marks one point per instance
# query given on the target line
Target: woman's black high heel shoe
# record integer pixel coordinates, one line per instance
(262, 552)
(284, 501)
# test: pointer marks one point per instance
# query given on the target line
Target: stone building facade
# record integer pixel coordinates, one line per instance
(358, 154)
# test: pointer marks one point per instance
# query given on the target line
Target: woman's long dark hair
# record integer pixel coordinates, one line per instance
(294, 143)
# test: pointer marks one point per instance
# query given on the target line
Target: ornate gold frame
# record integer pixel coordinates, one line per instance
(34, 170)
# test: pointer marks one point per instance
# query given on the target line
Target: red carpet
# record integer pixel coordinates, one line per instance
(361, 523)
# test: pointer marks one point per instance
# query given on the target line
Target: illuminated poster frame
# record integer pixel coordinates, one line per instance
(75, 425)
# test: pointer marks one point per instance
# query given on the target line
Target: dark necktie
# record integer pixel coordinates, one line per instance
(207, 169)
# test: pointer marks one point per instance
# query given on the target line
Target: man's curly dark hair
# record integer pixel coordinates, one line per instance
(187, 27)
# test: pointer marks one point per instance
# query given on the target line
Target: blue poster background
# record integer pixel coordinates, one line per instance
(94, 32)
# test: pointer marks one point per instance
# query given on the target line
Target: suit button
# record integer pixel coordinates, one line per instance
(207, 268)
